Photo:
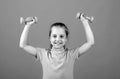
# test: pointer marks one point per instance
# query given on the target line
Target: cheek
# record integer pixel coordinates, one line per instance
(51, 40)
(64, 40)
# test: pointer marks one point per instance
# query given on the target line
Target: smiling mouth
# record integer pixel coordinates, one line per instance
(57, 42)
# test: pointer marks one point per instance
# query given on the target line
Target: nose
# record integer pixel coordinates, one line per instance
(57, 42)
(58, 39)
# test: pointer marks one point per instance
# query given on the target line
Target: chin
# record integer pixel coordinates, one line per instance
(58, 47)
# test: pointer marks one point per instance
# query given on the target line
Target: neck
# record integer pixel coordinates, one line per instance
(59, 53)
(58, 50)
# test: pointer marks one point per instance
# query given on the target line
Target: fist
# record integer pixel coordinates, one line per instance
(81, 16)
(28, 20)
(78, 15)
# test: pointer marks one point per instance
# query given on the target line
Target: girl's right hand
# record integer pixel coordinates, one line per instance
(29, 20)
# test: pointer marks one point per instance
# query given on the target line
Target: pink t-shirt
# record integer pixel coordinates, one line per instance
(57, 68)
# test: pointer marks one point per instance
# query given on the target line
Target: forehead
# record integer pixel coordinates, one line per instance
(57, 30)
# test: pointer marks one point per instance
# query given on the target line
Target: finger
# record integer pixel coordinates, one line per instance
(83, 15)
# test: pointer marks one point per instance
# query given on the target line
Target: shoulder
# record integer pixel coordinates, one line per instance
(40, 53)
(74, 52)
(71, 51)
(40, 49)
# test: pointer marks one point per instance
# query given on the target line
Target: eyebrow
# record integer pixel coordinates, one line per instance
(59, 34)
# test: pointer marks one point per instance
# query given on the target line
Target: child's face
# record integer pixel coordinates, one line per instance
(58, 37)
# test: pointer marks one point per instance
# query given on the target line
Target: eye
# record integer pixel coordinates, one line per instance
(54, 36)
(61, 36)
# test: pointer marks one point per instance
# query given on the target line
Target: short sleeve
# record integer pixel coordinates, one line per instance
(38, 55)
(76, 53)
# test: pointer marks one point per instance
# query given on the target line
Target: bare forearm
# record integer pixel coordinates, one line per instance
(88, 31)
(24, 36)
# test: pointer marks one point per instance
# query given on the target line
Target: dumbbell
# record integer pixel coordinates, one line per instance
(90, 19)
(24, 21)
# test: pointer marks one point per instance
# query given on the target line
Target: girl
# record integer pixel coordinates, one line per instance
(57, 61)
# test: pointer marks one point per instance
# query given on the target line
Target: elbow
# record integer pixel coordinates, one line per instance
(92, 42)
(21, 45)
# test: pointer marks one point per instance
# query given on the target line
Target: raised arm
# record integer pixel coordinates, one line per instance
(89, 35)
(24, 37)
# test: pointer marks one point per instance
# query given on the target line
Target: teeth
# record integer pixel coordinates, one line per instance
(57, 42)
